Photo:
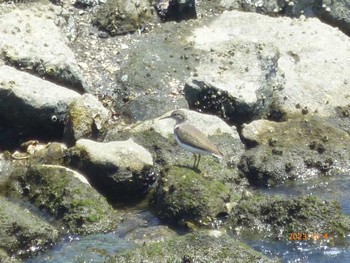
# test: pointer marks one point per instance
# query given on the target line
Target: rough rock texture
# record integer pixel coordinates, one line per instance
(31, 107)
(30, 41)
(5, 258)
(52, 153)
(57, 191)
(296, 149)
(335, 13)
(185, 196)
(123, 16)
(261, 68)
(196, 247)
(119, 169)
(22, 233)
(276, 217)
(86, 118)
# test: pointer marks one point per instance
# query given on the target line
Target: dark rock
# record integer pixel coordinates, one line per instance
(335, 13)
(23, 233)
(277, 217)
(195, 247)
(184, 196)
(31, 107)
(53, 153)
(176, 10)
(122, 16)
(295, 150)
(59, 192)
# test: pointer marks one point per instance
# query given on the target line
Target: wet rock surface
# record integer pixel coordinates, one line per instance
(193, 247)
(22, 233)
(298, 149)
(277, 217)
(61, 193)
(282, 82)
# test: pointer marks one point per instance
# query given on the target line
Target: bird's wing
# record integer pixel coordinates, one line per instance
(190, 135)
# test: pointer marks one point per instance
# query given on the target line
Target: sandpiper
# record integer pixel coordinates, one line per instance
(192, 139)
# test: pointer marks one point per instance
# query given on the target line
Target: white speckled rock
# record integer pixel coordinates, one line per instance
(30, 39)
(289, 64)
(125, 154)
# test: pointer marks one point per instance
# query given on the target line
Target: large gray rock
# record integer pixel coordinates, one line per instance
(31, 106)
(86, 118)
(119, 169)
(30, 40)
(22, 232)
(257, 68)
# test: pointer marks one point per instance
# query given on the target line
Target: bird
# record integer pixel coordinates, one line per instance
(192, 139)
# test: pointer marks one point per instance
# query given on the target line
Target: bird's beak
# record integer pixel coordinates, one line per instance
(166, 117)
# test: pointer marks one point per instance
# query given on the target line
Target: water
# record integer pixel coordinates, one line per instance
(97, 248)
(337, 189)
(94, 248)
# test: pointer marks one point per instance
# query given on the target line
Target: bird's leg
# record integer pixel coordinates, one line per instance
(199, 158)
(195, 159)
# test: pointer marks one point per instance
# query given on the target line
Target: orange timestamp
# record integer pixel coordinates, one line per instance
(299, 236)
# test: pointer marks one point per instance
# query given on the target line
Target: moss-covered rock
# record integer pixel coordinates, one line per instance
(23, 233)
(279, 217)
(298, 149)
(59, 192)
(183, 195)
(86, 118)
(195, 247)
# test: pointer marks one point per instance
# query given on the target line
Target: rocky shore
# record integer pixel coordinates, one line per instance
(83, 88)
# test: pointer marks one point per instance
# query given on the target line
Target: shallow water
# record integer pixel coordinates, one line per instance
(97, 248)
(329, 189)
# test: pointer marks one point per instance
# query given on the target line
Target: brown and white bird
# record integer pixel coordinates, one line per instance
(192, 139)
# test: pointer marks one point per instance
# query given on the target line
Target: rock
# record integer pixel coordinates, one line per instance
(276, 217)
(32, 107)
(6, 167)
(335, 13)
(256, 77)
(22, 232)
(176, 10)
(62, 194)
(122, 17)
(184, 196)
(86, 118)
(5, 258)
(31, 41)
(299, 149)
(120, 169)
(194, 247)
(53, 153)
